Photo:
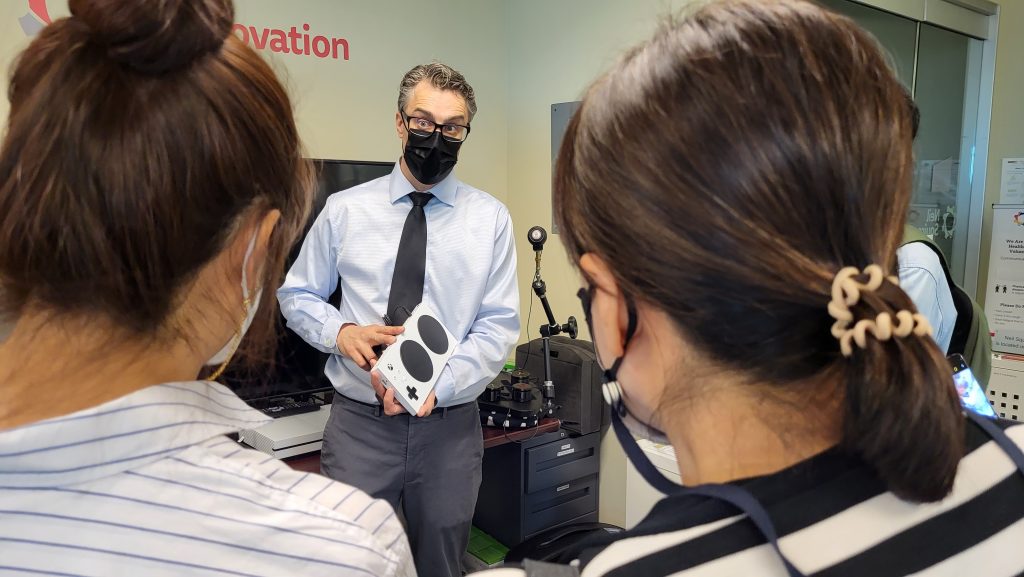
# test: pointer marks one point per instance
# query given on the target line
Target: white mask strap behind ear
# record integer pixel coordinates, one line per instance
(250, 306)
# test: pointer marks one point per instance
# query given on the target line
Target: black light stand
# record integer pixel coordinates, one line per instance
(537, 236)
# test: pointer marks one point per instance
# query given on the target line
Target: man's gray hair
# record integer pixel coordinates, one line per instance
(440, 76)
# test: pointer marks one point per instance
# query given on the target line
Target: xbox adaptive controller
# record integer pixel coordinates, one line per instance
(413, 364)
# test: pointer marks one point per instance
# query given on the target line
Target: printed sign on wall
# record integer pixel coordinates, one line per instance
(293, 42)
(1004, 303)
(36, 18)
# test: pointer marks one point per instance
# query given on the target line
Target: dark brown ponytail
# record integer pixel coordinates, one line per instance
(750, 150)
(902, 410)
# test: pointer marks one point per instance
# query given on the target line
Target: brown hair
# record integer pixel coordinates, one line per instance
(141, 133)
(748, 152)
(440, 76)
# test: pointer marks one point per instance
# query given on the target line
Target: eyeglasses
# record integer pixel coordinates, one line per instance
(423, 127)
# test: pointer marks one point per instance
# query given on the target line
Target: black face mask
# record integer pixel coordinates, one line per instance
(611, 389)
(430, 158)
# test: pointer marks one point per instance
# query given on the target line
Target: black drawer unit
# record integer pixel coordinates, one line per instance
(537, 485)
(551, 507)
(555, 463)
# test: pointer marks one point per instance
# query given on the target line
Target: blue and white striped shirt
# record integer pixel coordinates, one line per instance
(470, 279)
(147, 484)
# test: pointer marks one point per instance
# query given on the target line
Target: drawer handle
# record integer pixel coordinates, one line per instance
(569, 456)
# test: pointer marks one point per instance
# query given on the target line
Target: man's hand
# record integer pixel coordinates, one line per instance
(386, 396)
(428, 405)
(356, 342)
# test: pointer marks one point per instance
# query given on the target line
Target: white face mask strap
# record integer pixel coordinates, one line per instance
(223, 356)
(245, 269)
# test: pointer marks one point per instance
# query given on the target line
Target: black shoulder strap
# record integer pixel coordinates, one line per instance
(999, 435)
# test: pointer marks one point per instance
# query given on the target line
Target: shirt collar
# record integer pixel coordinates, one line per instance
(400, 187)
(126, 433)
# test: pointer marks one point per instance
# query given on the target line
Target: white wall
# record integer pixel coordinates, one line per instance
(346, 109)
(1007, 130)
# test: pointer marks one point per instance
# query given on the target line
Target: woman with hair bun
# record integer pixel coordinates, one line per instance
(151, 184)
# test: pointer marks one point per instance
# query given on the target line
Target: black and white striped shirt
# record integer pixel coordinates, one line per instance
(148, 485)
(835, 518)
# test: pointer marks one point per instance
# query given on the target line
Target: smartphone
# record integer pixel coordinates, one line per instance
(972, 396)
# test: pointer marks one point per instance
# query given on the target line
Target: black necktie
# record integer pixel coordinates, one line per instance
(411, 262)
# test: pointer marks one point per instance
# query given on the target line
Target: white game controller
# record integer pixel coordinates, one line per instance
(412, 365)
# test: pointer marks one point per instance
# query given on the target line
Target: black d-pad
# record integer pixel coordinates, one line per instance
(412, 393)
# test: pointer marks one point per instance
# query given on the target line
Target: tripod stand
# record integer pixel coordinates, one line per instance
(537, 236)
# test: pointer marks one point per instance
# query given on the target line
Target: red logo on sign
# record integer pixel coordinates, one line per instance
(37, 17)
(292, 41)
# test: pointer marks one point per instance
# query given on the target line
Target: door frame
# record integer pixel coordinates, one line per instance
(978, 19)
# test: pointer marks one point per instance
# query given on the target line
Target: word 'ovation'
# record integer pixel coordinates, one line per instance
(292, 42)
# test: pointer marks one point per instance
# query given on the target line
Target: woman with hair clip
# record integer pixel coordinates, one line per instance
(757, 155)
(151, 183)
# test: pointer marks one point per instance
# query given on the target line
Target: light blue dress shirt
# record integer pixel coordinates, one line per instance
(924, 281)
(470, 279)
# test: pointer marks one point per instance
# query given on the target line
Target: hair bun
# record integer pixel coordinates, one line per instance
(156, 36)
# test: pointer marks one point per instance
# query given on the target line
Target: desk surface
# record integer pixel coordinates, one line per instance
(494, 436)
(310, 462)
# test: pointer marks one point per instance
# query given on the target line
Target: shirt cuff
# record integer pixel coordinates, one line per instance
(444, 389)
(329, 334)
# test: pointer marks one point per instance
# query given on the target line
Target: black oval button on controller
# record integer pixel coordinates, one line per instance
(432, 335)
(417, 361)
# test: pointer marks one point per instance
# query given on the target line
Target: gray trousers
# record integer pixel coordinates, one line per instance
(428, 468)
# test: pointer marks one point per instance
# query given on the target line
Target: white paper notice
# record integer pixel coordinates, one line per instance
(942, 177)
(1011, 189)
(1004, 303)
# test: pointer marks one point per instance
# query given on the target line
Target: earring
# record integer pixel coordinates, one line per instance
(246, 303)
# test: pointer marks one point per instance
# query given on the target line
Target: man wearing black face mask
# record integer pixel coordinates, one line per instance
(417, 235)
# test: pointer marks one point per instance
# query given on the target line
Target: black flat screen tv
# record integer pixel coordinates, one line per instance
(299, 368)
